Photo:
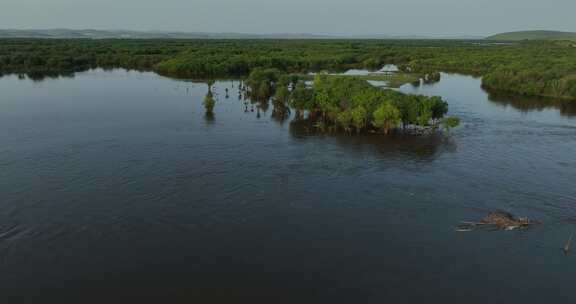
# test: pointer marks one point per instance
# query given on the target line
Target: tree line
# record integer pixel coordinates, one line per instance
(527, 68)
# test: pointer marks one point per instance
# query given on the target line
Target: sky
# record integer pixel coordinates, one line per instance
(335, 17)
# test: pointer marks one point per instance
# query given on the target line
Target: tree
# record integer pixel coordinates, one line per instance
(262, 82)
(281, 99)
(344, 120)
(386, 117)
(209, 102)
(450, 123)
(359, 117)
(300, 98)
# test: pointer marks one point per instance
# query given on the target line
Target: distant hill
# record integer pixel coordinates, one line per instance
(533, 35)
(120, 34)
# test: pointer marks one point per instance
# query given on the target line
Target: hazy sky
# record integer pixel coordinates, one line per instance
(395, 17)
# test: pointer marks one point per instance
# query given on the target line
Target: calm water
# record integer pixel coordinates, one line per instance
(115, 183)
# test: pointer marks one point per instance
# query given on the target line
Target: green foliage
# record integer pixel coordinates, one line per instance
(301, 97)
(344, 120)
(46, 57)
(386, 117)
(347, 103)
(528, 68)
(281, 101)
(209, 102)
(237, 58)
(353, 104)
(359, 117)
(282, 95)
(262, 82)
(450, 123)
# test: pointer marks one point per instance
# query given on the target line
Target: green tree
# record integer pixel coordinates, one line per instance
(359, 117)
(344, 120)
(300, 98)
(281, 100)
(386, 117)
(209, 102)
(450, 122)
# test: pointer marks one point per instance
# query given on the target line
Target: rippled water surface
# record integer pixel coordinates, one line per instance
(115, 183)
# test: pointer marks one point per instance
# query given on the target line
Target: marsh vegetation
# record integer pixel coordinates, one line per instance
(526, 68)
(348, 103)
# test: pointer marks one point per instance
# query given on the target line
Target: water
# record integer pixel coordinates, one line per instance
(116, 183)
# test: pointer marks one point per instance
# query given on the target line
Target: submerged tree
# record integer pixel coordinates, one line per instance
(209, 102)
(353, 104)
(450, 123)
(300, 98)
(281, 102)
(262, 83)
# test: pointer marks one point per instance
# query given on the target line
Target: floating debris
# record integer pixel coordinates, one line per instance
(568, 244)
(461, 228)
(499, 221)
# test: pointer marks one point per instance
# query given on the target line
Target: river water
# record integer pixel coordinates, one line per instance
(115, 183)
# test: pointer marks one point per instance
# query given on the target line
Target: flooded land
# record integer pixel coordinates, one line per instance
(118, 181)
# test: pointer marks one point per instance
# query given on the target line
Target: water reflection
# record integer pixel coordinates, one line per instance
(263, 105)
(523, 104)
(209, 118)
(526, 104)
(422, 148)
(39, 76)
(280, 115)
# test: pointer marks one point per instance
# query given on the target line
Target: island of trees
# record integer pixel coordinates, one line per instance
(348, 104)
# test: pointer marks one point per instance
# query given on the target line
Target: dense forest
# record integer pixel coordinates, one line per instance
(526, 68)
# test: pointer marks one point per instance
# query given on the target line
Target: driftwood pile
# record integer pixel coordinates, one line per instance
(498, 221)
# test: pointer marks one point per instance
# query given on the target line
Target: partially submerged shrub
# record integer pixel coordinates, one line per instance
(209, 102)
(450, 123)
